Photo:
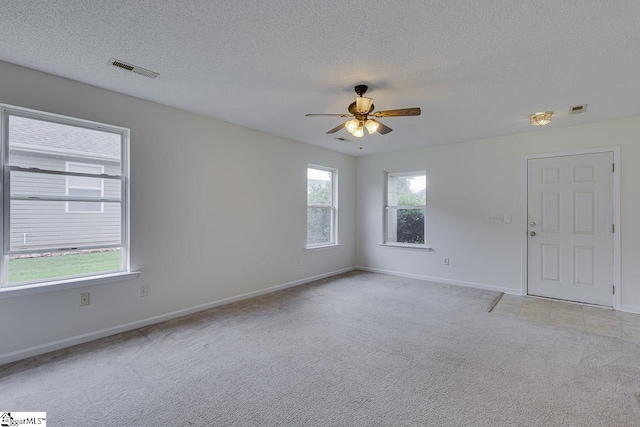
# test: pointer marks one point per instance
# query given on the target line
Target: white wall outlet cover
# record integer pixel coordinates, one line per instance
(494, 218)
(85, 298)
(144, 290)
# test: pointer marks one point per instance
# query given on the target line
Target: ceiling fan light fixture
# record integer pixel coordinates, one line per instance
(540, 119)
(363, 104)
(351, 125)
(359, 132)
(372, 126)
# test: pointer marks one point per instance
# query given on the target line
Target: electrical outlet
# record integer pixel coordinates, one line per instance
(84, 298)
(144, 290)
(494, 218)
(445, 261)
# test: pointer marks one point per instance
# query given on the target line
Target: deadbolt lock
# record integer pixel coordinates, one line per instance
(533, 224)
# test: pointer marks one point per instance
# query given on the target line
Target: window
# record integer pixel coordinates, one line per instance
(406, 208)
(321, 206)
(65, 206)
(85, 187)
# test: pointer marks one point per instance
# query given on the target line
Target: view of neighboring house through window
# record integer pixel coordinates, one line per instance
(406, 208)
(84, 186)
(321, 206)
(65, 214)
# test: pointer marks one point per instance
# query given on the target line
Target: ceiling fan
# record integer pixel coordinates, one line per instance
(361, 109)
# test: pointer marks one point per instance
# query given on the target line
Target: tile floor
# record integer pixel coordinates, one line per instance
(601, 321)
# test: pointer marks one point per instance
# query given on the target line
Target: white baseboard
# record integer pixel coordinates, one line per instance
(511, 291)
(628, 308)
(79, 339)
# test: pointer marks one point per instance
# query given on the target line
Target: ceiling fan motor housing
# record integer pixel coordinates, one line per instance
(361, 89)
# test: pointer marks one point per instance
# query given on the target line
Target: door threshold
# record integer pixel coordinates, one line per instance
(586, 304)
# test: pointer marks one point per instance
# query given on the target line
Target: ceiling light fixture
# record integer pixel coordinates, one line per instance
(351, 125)
(359, 112)
(540, 119)
(359, 133)
(372, 126)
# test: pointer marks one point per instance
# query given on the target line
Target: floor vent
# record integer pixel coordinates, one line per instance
(578, 109)
(134, 68)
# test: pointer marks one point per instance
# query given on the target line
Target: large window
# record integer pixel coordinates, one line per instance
(65, 207)
(321, 206)
(406, 208)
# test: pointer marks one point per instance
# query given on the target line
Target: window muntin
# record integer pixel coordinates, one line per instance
(61, 172)
(406, 201)
(321, 206)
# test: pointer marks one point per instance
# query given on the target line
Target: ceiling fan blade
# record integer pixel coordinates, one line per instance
(402, 112)
(383, 129)
(328, 115)
(337, 128)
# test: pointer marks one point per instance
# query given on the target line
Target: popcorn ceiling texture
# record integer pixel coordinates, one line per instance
(477, 69)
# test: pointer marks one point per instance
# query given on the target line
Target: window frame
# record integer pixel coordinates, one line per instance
(387, 208)
(333, 207)
(67, 186)
(8, 290)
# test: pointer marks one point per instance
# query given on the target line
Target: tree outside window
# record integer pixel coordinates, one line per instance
(321, 206)
(406, 206)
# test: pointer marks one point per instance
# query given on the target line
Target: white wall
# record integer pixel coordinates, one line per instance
(468, 181)
(217, 211)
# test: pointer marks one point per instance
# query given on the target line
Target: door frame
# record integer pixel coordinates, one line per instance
(616, 213)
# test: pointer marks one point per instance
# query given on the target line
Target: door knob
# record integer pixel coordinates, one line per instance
(532, 233)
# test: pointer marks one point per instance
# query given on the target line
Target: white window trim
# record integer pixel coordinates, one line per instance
(415, 246)
(54, 284)
(68, 283)
(66, 187)
(387, 208)
(334, 208)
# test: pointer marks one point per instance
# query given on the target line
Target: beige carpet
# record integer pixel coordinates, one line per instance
(360, 349)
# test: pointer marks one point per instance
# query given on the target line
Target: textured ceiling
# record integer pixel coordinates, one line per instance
(477, 69)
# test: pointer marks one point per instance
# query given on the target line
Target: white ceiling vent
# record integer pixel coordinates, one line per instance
(133, 68)
(577, 109)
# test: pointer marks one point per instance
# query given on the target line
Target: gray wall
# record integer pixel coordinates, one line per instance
(468, 181)
(217, 211)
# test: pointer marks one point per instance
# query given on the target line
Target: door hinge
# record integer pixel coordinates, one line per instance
(613, 167)
(614, 289)
(613, 228)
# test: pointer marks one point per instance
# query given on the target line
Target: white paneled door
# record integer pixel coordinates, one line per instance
(570, 228)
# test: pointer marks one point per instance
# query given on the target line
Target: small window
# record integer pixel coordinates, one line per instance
(406, 208)
(321, 206)
(65, 206)
(83, 186)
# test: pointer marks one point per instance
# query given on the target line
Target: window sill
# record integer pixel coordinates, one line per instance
(58, 285)
(407, 246)
(320, 247)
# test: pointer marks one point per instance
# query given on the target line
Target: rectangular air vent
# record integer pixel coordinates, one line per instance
(133, 68)
(577, 109)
